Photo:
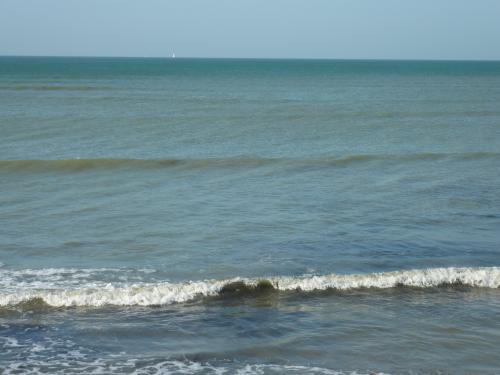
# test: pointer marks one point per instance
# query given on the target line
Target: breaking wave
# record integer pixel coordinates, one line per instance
(75, 165)
(102, 293)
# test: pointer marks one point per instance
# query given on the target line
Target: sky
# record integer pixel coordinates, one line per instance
(337, 29)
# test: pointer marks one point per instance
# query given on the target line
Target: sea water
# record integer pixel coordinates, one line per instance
(218, 216)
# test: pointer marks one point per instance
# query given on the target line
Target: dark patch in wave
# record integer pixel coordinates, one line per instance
(77, 165)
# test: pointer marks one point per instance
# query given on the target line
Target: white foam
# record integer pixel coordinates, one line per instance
(99, 294)
(287, 369)
(101, 366)
(10, 342)
(65, 291)
(484, 277)
(61, 278)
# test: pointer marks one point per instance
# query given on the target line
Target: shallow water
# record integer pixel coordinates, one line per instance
(143, 200)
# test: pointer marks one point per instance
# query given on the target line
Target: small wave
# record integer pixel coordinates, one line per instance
(162, 293)
(76, 165)
(52, 87)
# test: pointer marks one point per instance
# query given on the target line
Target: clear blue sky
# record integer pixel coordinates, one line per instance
(405, 29)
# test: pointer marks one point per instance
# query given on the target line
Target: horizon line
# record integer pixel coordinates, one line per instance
(259, 58)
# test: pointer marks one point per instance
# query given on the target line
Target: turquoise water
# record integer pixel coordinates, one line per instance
(143, 201)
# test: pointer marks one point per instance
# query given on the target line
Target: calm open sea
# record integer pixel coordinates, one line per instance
(218, 216)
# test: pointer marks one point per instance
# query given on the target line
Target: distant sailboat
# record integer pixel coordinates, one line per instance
(173, 55)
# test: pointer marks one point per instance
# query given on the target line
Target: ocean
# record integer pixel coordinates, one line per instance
(247, 216)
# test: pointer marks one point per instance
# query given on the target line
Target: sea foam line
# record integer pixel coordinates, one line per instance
(162, 293)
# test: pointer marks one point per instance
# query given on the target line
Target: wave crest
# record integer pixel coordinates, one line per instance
(76, 165)
(161, 293)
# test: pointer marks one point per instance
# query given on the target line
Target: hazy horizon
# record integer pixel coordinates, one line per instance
(247, 58)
